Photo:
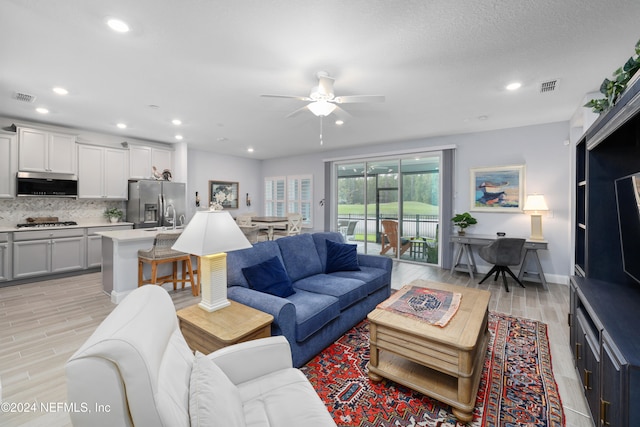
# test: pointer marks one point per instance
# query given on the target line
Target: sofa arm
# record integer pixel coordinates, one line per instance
(375, 261)
(282, 310)
(253, 359)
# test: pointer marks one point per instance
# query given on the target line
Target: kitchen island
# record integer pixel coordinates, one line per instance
(120, 259)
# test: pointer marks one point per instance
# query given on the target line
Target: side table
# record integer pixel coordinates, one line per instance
(207, 332)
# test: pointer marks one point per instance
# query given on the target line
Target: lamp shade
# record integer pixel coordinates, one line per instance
(536, 203)
(321, 108)
(211, 232)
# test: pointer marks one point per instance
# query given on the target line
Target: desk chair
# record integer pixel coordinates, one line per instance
(502, 253)
(162, 253)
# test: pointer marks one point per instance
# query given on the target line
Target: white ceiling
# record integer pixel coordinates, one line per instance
(442, 66)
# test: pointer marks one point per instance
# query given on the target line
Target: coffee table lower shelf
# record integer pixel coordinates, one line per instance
(430, 382)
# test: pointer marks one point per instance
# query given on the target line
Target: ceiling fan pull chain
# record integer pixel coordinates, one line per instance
(321, 142)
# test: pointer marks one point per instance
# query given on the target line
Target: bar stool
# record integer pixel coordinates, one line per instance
(161, 253)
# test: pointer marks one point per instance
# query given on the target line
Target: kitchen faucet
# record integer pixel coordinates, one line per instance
(173, 218)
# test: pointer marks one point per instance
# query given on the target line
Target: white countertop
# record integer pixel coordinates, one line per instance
(86, 224)
(136, 234)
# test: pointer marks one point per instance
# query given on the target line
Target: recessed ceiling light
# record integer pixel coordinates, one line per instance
(117, 25)
(483, 118)
(250, 150)
(514, 86)
(339, 122)
(222, 139)
(42, 110)
(60, 91)
(122, 125)
(176, 122)
(179, 137)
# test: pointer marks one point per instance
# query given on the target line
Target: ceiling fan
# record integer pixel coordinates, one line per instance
(322, 100)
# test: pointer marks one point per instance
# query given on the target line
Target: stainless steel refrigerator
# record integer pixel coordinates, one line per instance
(156, 203)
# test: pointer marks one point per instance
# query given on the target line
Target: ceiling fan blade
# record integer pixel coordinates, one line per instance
(298, 111)
(341, 113)
(358, 98)
(325, 84)
(299, 98)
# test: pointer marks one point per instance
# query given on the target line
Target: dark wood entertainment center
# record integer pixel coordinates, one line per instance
(605, 301)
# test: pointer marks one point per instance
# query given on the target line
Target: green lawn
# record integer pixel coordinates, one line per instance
(410, 208)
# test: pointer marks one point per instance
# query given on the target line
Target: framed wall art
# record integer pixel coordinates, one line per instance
(224, 193)
(497, 189)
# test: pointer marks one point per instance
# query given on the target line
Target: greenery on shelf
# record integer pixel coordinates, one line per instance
(113, 213)
(613, 89)
(463, 221)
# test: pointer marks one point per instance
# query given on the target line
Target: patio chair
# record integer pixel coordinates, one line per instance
(390, 238)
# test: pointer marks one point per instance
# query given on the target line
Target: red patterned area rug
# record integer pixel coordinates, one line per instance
(517, 386)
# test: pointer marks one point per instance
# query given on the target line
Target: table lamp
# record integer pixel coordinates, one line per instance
(209, 235)
(536, 205)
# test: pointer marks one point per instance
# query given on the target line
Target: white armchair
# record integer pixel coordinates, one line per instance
(136, 369)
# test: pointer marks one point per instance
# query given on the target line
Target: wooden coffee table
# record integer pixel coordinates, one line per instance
(444, 363)
(207, 332)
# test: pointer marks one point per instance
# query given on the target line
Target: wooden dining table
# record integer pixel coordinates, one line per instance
(270, 223)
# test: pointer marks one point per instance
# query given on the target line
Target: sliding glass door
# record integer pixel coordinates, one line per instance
(391, 206)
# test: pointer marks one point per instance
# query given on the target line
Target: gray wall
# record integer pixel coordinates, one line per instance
(543, 149)
(204, 166)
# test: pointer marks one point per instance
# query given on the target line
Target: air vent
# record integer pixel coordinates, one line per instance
(548, 86)
(24, 97)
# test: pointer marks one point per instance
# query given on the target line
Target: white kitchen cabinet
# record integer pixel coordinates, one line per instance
(8, 165)
(37, 253)
(102, 172)
(46, 151)
(143, 158)
(4, 257)
(94, 243)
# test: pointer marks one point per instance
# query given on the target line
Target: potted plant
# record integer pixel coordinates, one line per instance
(463, 221)
(114, 214)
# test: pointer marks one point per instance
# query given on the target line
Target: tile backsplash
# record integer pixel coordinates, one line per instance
(16, 211)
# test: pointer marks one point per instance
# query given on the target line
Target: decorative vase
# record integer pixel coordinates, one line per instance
(114, 219)
(461, 232)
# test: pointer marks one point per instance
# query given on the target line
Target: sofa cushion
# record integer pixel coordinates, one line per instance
(348, 291)
(374, 278)
(270, 277)
(213, 398)
(237, 260)
(320, 240)
(341, 257)
(313, 311)
(300, 256)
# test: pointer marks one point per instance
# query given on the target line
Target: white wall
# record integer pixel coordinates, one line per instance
(543, 149)
(204, 166)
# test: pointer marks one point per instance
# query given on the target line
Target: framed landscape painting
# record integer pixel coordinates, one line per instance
(497, 189)
(224, 193)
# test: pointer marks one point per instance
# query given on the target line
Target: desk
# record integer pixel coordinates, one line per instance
(531, 248)
(270, 222)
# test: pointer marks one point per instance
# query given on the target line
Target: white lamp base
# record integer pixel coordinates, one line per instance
(536, 227)
(213, 269)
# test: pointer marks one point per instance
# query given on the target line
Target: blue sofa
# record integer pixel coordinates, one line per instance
(324, 306)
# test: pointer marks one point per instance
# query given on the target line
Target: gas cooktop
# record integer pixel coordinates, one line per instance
(47, 224)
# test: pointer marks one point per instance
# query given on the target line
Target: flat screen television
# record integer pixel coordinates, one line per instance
(628, 201)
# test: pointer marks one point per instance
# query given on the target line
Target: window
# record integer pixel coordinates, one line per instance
(297, 198)
(274, 196)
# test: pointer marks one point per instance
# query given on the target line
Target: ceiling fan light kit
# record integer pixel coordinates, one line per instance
(321, 108)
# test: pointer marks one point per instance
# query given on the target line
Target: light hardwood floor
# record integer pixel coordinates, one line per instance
(42, 324)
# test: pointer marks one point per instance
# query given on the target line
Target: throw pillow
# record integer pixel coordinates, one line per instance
(269, 277)
(213, 398)
(341, 257)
